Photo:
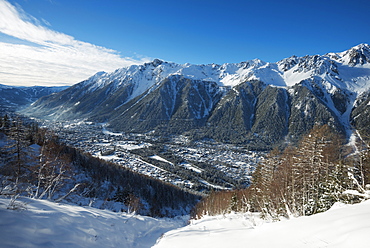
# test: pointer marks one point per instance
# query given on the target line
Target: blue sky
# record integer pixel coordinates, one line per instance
(120, 32)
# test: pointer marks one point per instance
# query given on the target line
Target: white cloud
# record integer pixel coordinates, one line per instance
(47, 57)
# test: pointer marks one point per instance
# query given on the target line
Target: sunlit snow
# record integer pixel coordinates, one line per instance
(332, 69)
(40, 223)
(342, 226)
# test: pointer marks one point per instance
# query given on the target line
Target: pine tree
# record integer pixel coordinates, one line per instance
(16, 153)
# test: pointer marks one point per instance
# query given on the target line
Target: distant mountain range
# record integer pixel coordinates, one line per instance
(13, 97)
(254, 103)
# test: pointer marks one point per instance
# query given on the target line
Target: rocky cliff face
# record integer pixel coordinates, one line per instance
(360, 115)
(254, 103)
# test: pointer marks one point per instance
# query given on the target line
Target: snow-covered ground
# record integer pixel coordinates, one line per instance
(342, 226)
(41, 223)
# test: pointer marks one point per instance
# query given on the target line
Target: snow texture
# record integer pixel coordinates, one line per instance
(342, 226)
(41, 223)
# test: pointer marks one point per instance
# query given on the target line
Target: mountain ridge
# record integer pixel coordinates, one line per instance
(296, 93)
(16, 97)
(230, 74)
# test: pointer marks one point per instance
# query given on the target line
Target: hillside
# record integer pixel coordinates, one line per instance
(342, 226)
(40, 223)
(35, 163)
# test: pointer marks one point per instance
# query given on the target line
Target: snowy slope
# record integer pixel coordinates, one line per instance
(149, 75)
(40, 223)
(347, 70)
(342, 226)
(48, 224)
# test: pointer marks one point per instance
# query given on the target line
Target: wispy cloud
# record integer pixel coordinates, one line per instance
(41, 56)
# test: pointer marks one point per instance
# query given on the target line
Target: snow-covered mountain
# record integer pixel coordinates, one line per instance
(12, 97)
(252, 102)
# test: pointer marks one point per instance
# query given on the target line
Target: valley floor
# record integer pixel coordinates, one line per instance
(41, 223)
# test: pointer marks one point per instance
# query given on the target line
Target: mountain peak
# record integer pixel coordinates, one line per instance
(357, 55)
(362, 46)
(156, 62)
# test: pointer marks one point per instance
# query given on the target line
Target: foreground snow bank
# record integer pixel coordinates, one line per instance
(341, 226)
(41, 223)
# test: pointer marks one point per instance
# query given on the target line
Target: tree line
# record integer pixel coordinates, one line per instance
(300, 180)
